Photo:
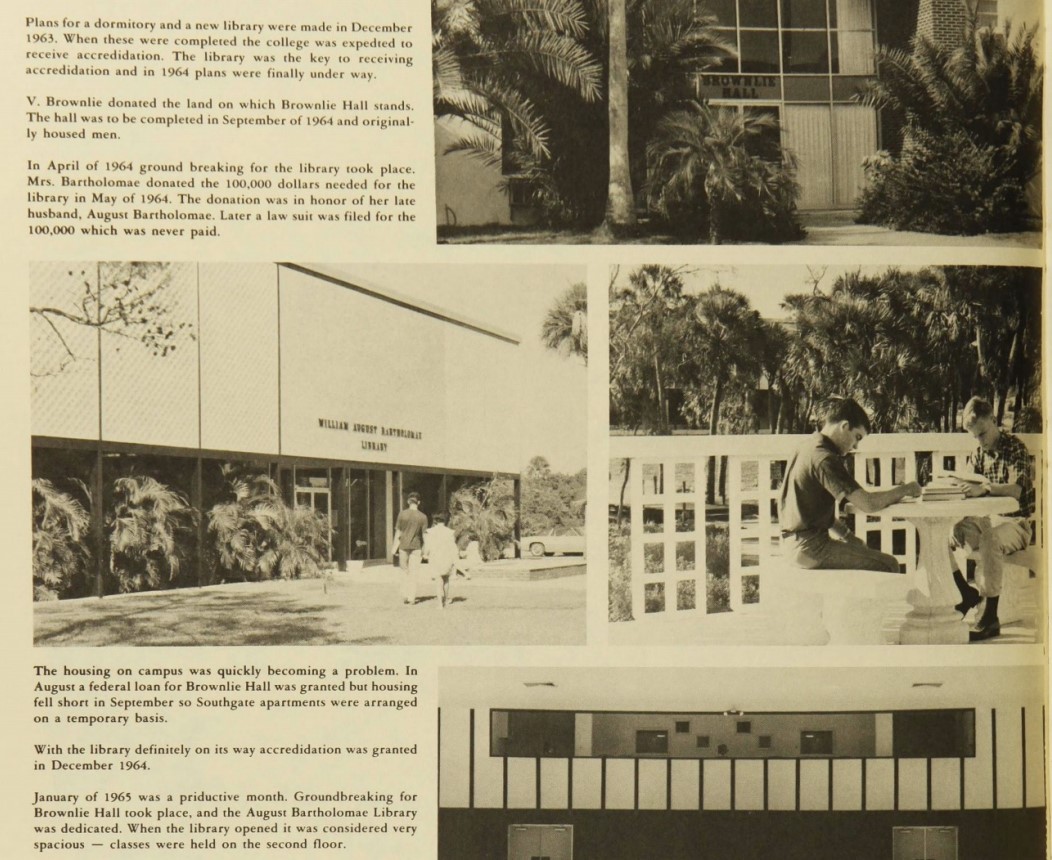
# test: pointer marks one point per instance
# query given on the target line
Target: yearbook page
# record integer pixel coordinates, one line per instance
(504, 429)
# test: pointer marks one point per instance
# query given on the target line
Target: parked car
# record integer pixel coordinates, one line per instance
(560, 540)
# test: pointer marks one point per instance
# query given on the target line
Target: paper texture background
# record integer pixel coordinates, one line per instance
(327, 243)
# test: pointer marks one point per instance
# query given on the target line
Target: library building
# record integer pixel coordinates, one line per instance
(904, 763)
(347, 394)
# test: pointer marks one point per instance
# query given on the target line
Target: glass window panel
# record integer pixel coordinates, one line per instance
(759, 52)
(759, 13)
(722, 9)
(856, 58)
(805, 52)
(685, 555)
(804, 13)
(847, 89)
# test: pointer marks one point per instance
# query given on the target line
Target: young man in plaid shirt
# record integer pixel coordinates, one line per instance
(1006, 465)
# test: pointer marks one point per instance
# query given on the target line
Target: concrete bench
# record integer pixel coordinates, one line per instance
(836, 607)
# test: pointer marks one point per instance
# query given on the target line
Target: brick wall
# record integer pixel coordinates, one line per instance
(942, 21)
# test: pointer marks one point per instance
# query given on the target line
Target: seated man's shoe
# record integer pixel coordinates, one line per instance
(971, 599)
(984, 630)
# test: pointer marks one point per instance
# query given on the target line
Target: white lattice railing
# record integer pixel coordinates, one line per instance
(673, 532)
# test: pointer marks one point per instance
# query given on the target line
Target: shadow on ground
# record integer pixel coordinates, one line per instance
(341, 611)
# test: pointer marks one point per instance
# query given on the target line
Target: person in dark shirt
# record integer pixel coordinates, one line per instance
(1005, 464)
(816, 479)
(409, 541)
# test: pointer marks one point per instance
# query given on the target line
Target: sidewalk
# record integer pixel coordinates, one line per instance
(363, 608)
(838, 227)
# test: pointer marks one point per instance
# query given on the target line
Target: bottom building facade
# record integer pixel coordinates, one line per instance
(932, 763)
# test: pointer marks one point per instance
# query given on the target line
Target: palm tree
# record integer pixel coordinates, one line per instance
(296, 541)
(648, 320)
(149, 531)
(256, 535)
(59, 526)
(565, 325)
(701, 168)
(620, 201)
(493, 60)
(727, 342)
(972, 133)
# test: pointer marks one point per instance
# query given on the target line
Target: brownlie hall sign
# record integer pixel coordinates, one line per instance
(758, 87)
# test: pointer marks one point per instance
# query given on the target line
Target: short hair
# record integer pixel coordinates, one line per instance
(413, 497)
(975, 409)
(439, 519)
(837, 409)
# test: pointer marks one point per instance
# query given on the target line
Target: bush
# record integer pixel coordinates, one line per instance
(150, 532)
(945, 185)
(706, 177)
(59, 554)
(486, 512)
(257, 536)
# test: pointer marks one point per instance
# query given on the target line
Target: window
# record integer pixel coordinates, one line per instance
(723, 10)
(933, 734)
(805, 52)
(682, 727)
(532, 733)
(763, 742)
(816, 743)
(744, 727)
(703, 742)
(804, 14)
(759, 13)
(759, 51)
(986, 14)
(652, 742)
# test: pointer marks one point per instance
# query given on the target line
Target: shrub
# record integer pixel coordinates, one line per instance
(944, 185)
(706, 177)
(256, 535)
(149, 534)
(972, 133)
(486, 512)
(59, 555)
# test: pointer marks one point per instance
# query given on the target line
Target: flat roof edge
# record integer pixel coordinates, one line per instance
(334, 276)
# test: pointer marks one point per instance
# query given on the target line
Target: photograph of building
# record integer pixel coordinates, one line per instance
(718, 376)
(799, 69)
(191, 414)
(907, 763)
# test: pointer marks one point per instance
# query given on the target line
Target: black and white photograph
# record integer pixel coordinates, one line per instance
(824, 122)
(758, 763)
(811, 455)
(299, 454)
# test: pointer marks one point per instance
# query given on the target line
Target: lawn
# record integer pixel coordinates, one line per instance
(339, 611)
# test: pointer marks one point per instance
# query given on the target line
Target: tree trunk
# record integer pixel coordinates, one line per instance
(624, 486)
(620, 205)
(714, 414)
(659, 381)
(715, 227)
